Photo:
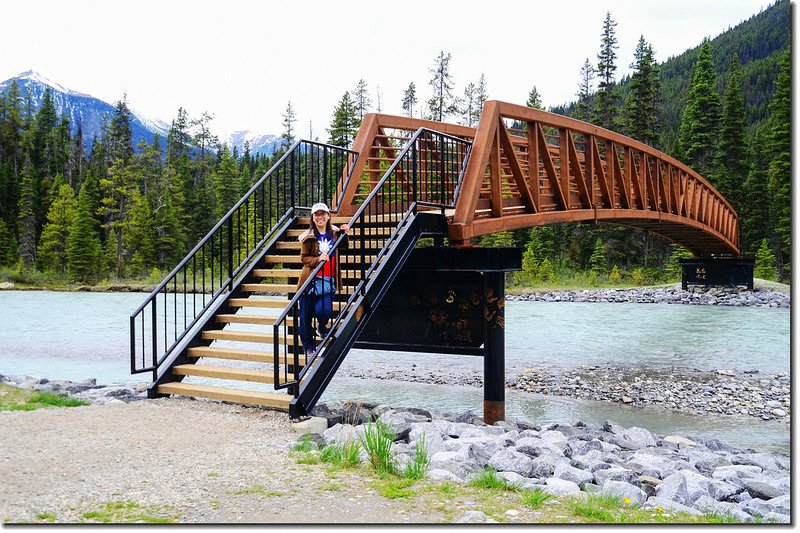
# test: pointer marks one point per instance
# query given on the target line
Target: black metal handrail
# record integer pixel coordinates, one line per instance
(307, 173)
(428, 171)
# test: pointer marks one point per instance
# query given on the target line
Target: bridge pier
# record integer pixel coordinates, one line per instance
(717, 271)
(450, 300)
(494, 349)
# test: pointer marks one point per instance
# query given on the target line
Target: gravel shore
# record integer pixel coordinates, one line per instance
(177, 459)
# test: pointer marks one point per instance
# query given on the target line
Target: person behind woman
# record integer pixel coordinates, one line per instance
(315, 248)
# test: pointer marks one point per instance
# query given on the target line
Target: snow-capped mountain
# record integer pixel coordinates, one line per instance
(82, 108)
(259, 143)
(90, 112)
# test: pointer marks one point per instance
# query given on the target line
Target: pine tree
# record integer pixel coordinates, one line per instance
(141, 243)
(780, 169)
(120, 134)
(288, 126)
(410, 99)
(361, 99)
(83, 246)
(8, 245)
(26, 217)
(481, 94)
(442, 103)
(584, 91)
(640, 113)
(701, 116)
(755, 216)
(344, 124)
(470, 112)
(227, 183)
(599, 261)
(674, 269)
(118, 190)
(730, 165)
(605, 109)
(765, 263)
(534, 99)
(53, 243)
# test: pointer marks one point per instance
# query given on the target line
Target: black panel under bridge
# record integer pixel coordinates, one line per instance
(452, 301)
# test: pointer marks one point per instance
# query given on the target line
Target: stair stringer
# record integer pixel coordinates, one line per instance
(179, 355)
(321, 372)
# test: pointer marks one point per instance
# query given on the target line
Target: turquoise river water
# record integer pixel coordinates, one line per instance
(63, 335)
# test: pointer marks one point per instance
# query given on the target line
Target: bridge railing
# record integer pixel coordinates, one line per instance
(427, 172)
(307, 173)
(527, 163)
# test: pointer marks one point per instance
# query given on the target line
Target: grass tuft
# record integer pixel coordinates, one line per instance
(535, 498)
(116, 512)
(377, 441)
(396, 488)
(418, 468)
(341, 456)
(488, 479)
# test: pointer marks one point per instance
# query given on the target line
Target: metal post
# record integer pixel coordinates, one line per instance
(494, 349)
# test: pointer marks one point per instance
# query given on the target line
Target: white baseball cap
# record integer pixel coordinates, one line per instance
(319, 207)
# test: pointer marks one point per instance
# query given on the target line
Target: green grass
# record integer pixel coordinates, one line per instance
(16, 399)
(47, 517)
(341, 455)
(128, 512)
(305, 445)
(417, 468)
(394, 488)
(535, 498)
(377, 441)
(488, 479)
(259, 490)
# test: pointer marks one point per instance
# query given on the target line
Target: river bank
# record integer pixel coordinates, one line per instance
(224, 463)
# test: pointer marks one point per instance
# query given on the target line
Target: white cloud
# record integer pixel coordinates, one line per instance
(243, 61)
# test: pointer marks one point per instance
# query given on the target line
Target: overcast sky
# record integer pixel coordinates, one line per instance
(243, 61)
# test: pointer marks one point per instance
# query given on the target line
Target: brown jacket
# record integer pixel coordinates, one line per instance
(309, 254)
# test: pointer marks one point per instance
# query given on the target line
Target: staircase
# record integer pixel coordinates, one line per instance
(243, 345)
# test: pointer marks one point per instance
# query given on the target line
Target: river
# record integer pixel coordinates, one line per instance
(74, 336)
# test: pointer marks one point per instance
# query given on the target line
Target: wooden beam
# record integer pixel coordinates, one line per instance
(516, 168)
(476, 167)
(563, 157)
(550, 169)
(606, 189)
(495, 177)
(580, 179)
(533, 164)
(619, 177)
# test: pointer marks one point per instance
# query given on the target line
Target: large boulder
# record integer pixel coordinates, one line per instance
(561, 487)
(512, 461)
(615, 474)
(459, 463)
(673, 488)
(761, 489)
(570, 473)
(625, 490)
(707, 504)
(669, 506)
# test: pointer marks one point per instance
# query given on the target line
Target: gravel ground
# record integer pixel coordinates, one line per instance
(180, 459)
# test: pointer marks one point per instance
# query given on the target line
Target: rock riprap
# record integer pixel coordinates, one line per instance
(87, 390)
(673, 473)
(766, 396)
(694, 295)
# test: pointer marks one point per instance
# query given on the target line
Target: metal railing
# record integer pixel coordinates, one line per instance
(307, 173)
(427, 172)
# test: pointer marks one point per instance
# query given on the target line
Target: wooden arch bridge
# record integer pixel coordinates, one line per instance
(230, 310)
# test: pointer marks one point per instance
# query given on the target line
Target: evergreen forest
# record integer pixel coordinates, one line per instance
(123, 213)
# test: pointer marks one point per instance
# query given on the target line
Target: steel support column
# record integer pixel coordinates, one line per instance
(494, 357)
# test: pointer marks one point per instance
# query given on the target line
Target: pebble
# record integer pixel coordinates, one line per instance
(694, 295)
(698, 391)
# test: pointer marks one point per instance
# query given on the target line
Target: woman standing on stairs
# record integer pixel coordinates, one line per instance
(316, 243)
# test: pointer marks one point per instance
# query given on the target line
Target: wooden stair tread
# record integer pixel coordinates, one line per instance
(241, 336)
(277, 272)
(275, 400)
(269, 287)
(258, 302)
(224, 372)
(245, 319)
(237, 354)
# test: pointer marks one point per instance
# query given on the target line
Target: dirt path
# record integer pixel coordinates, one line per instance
(189, 461)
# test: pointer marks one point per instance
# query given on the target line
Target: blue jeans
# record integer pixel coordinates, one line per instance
(313, 306)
